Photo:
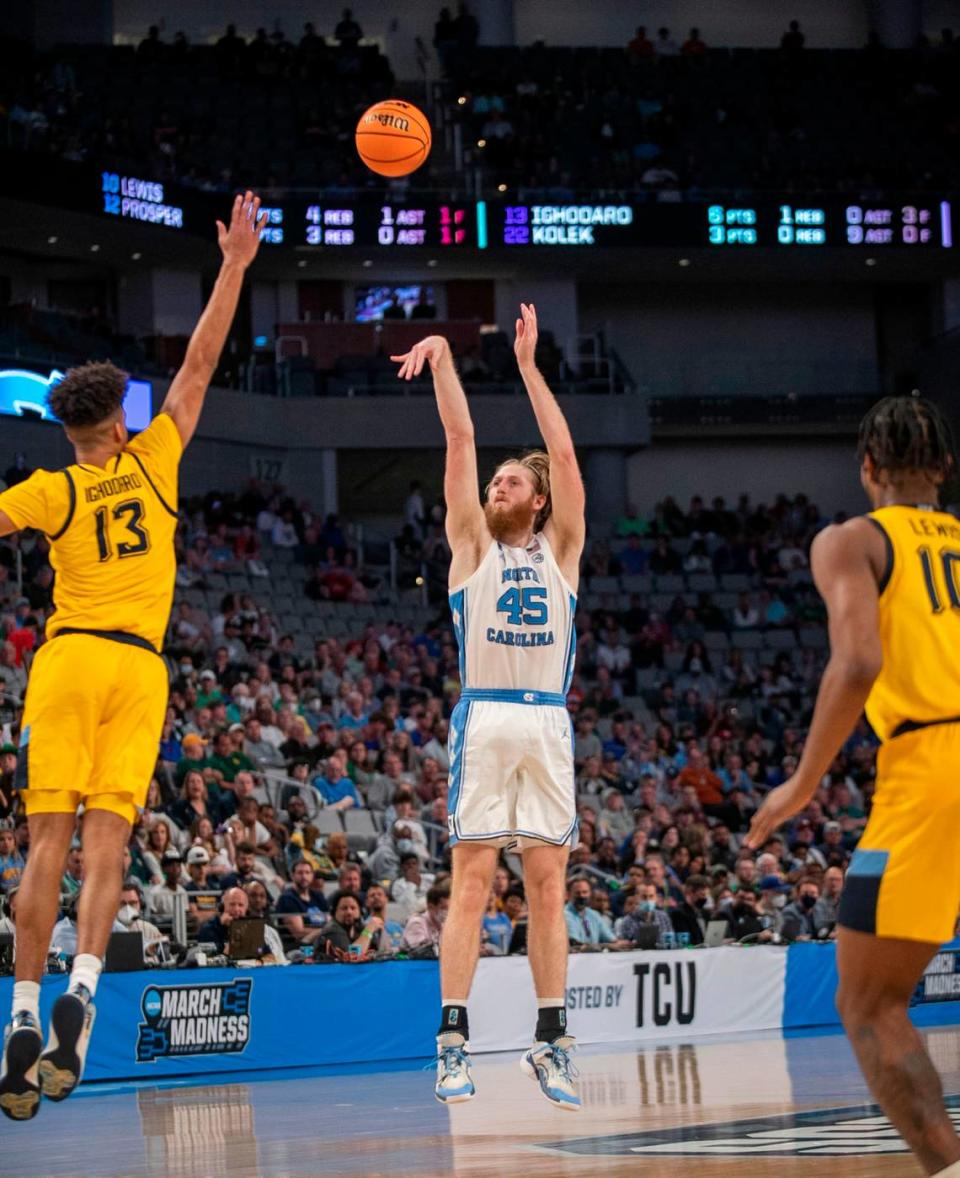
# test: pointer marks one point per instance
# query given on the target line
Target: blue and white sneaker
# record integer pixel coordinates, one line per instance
(19, 1081)
(550, 1065)
(454, 1083)
(61, 1065)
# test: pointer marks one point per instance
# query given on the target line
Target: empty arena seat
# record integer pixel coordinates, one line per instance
(735, 582)
(814, 637)
(327, 821)
(637, 583)
(747, 639)
(361, 832)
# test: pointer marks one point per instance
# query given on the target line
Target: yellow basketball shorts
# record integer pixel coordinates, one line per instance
(904, 877)
(91, 726)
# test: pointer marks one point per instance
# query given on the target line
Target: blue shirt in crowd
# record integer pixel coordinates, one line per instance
(499, 929)
(586, 926)
(335, 791)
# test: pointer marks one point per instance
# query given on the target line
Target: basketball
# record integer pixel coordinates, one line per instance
(393, 138)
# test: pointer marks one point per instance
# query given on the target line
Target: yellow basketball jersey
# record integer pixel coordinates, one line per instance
(919, 621)
(111, 535)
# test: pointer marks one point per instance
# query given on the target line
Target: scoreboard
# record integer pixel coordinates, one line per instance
(833, 223)
(371, 224)
(338, 224)
(376, 220)
(694, 224)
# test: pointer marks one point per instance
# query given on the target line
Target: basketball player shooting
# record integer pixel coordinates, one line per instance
(98, 687)
(513, 585)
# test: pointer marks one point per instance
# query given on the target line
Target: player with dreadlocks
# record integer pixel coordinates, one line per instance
(891, 582)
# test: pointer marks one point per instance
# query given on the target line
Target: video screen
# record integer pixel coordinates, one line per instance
(24, 394)
(393, 302)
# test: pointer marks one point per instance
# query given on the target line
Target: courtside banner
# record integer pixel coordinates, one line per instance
(181, 1022)
(635, 997)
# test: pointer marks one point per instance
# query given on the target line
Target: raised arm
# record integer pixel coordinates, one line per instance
(465, 521)
(239, 244)
(566, 527)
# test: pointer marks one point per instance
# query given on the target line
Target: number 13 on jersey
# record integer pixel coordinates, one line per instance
(135, 539)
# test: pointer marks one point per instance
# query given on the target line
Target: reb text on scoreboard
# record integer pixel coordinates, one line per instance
(344, 221)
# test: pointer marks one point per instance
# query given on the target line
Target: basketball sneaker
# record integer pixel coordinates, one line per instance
(550, 1065)
(71, 1021)
(19, 1084)
(454, 1083)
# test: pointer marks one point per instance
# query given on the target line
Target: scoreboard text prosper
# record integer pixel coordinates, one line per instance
(138, 200)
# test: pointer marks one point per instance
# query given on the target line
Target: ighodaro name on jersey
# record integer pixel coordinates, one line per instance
(514, 638)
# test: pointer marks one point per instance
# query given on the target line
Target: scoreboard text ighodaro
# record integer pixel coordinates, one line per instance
(371, 224)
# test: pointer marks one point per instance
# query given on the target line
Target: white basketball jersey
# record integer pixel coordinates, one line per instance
(514, 621)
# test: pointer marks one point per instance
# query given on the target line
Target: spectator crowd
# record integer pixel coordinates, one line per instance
(668, 115)
(664, 113)
(302, 773)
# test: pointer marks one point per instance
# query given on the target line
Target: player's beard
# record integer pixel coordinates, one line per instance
(503, 520)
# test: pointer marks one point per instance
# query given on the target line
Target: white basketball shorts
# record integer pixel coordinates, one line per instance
(511, 769)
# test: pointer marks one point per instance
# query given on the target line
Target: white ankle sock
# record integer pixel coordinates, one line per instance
(950, 1172)
(543, 1003)
(26, 996)
(86, 972)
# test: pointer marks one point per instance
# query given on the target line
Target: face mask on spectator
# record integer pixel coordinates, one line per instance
(808, 901)
(405, 846)
(186, 669)
(696, 666)
(647, 905)
(245, 703)
(581, 901)
(128, 914)
(779, 901)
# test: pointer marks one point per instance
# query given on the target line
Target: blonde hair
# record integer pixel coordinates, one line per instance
(537, 462)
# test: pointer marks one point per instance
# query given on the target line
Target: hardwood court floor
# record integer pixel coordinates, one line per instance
(794, 1108)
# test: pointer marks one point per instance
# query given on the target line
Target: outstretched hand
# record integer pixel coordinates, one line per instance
(525, 344)
(240, 242)
(779, 806)
(433, 349)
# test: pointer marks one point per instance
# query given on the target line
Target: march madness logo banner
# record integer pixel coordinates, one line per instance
(194, 1020)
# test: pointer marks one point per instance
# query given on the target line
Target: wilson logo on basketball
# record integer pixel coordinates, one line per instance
(397, 122)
